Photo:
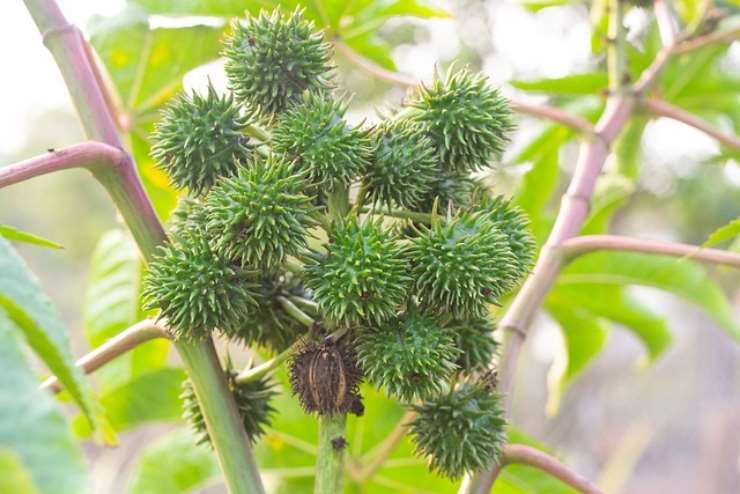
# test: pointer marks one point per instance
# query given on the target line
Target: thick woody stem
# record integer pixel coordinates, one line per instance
(123, 342)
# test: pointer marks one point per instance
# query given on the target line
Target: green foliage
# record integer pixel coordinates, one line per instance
(362, 277)
(15, 235)
(460, 431)
(33, 432)
(449, 190)
(724, 233)
(315, 135)
(16, 478)
(403, 167)
(474, 339)
(32, 314)
(200, 140)
(252, 401)
(461, 265)
(272, 59)
(261, 216)
(410, 356)
(173, 465)
(467, 119)
(196, 290)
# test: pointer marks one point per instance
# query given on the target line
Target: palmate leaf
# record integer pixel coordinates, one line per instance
(173, 465)
(25, 304)
(35, 440)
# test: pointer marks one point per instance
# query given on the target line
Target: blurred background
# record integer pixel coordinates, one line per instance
(671, 426)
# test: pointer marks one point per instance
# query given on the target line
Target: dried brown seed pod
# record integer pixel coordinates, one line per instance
(325, 377)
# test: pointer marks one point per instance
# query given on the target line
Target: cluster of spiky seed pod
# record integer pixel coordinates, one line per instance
(415, 249)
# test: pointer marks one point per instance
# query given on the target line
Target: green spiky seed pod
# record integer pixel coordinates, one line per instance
(260, 216)
(474, 339)
(199, 140)
(448, 190)
(315, 135)
(269, 325)
(461, 265)
(362, 278)
(272, 59)
(410, 356)
(461, 431)
(197, 290)
(326, 378)
(513, 222)
(252, 402)
(468, 120)
(188, 216)
(403, 167)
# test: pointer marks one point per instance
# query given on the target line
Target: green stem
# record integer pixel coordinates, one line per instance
(66, 44)
(293, 311)
(309, 305)
(330, 458)
(615, 55)
(249, 375)
(258, 133)
(400, 213)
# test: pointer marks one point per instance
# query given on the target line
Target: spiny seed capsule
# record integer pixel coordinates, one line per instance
(404, 165)
(410, 356)
(272, 59)
(269, 325)
(449, 190)
(461, 265)
(460, 431)
(325, 377)
(468, 120)
(362, 277)
(197, 290)
(199, 140)
(315, 135)
(513, 222)
(261, 216)
(252, 402)
(474, 339)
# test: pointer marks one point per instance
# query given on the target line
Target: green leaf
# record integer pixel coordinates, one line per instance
(681, 277)
(150, 397)
(723, 233)
(15, 478)
(173, 465)
(216, 8)
(147, 65)
(584, 336)
(628, 147)
(33, 314)
(537, 5)
(610, 194)
(536, 188)
(13, 234)
(112, 305)
(579, 84)
(33, 429)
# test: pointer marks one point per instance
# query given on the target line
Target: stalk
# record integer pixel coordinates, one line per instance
(330, 458)
(66, 44)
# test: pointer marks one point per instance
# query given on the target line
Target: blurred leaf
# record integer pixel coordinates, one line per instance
(216, 8)
(16, 235)
(173, 465)
(628, 147)
(681, 277)
(150, 397)
(726, 232)
(610, 194)
(156, 182)
(33, 314)
(374, 49)
(33, 429)
(584, 336)
(15, 478)
(112, 305)
(578, 84)
(536, 188)
(537, 5)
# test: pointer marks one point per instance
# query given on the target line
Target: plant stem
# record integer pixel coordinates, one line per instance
(615, 55)
(123, 342)
(330, 458)
(228, 437)
(293, 311)
(664, 18)
(379, 456)
(400, 213)
(258, 133)
(577, 246)
(249, 375)
(525, 455)
(662, 109)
